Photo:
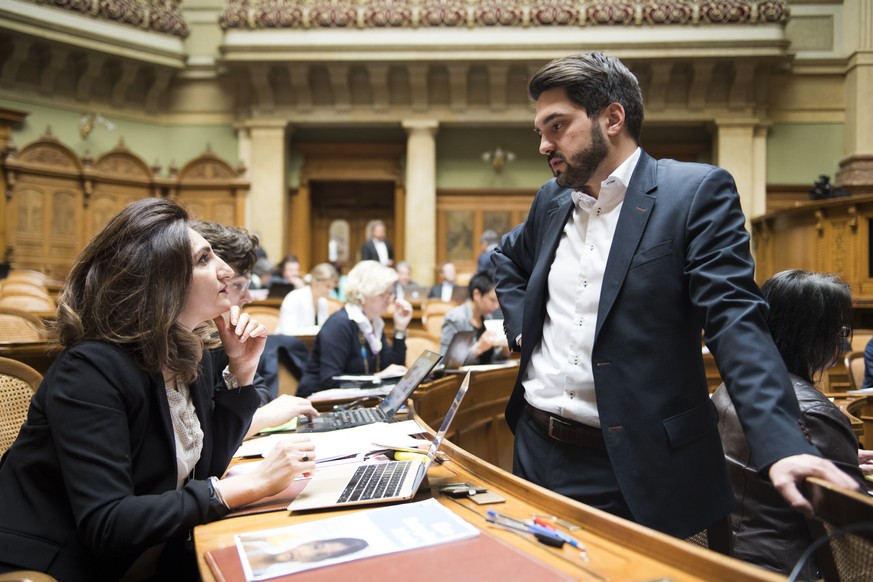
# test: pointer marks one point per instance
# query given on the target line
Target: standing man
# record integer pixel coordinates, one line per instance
(377, 247)
(605, 289)
(487, 243)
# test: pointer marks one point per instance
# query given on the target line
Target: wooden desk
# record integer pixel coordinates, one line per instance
(617, 549)
(37, 355)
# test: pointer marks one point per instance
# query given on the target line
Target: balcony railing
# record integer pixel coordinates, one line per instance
(303, 14)
(162, 16)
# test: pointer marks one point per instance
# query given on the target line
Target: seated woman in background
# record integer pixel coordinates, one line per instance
(288, 272)
(307, 306)
(353, 340)
(809, 319)
(471, 316)
(238, 248)
(118, 459)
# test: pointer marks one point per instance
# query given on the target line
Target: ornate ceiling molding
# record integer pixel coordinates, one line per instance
(262, 14)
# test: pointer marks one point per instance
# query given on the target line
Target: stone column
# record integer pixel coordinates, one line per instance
(856, 168)
(262, 148)
(421, 198)
(741, 150)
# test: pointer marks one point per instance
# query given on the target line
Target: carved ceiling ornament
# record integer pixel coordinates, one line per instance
(263, 14)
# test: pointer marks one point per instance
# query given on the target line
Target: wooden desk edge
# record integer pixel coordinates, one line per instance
(675, 554)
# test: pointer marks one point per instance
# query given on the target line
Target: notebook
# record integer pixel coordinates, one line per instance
(362, 483)
(386, 410)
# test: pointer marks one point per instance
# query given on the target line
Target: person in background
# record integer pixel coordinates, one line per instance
(119, 457)
(261, 273)
(238, 248)
(339, 292)
(471, 316)
(353, 340)
(288, 271)
(404, 281)
(810, 315)
(487, 243)
(446, 287)
(377, 248)
(868, 365)
(605, 288)
(307, 307)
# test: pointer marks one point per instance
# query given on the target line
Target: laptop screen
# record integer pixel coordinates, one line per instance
(408, 383)
(459, 348)
(447, 421)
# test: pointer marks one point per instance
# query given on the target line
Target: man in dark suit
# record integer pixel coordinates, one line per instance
(446, 289)
(377, 247)
(605, 289)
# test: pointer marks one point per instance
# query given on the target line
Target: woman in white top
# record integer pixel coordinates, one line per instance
(308, 306)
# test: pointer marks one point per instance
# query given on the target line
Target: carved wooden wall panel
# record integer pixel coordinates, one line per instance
(212, 190)
(56, 202)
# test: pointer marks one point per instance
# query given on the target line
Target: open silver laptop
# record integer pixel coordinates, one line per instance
(363, 483)
(386, 410)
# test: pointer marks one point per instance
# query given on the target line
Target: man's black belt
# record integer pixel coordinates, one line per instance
(566, 431)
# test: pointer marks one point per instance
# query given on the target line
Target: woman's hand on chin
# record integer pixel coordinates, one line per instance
(243, 338)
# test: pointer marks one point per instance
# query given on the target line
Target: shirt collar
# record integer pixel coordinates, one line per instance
(612, 190)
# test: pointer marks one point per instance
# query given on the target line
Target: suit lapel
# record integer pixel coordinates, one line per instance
(635, 211)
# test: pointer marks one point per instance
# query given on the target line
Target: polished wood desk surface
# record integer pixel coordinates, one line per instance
(617, 549)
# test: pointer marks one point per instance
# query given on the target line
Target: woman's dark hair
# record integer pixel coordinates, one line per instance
(810, 319)
(235, 246)
(593, 81)
(128, 287)
(483, 281)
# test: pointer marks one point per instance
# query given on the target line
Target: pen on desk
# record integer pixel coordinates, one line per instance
(566, 537)
(544, 538)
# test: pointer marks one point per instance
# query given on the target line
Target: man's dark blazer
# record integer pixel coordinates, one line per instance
(679, 263)
(90, 483)
(368, 251)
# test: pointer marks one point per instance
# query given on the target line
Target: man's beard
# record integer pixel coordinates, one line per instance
(581, 166)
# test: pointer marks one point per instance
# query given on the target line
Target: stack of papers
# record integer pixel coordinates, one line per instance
(338, 444)
(374, 532)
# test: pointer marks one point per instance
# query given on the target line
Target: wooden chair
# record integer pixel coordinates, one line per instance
(266, 314)
(26, 576)
(416, 342)
(855, 367)
(846, 517)
(34, 277)
(717, 537)
(20, 326)
(18, 384)
(29, 303)
(860, 337)
(433, 311)
(8, 287)
(862, 408)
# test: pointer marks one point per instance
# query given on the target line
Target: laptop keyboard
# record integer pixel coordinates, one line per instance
(375, 481)
(359, 416)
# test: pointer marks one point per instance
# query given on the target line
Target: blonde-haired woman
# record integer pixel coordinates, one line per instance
(353, 340)
(308, 306)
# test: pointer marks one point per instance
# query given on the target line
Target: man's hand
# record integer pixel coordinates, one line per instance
(787, 474)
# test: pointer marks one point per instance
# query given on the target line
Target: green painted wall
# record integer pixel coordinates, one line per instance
(460, 163)
(151, 141)
(799, 153)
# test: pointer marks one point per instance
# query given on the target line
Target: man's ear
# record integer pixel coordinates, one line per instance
(614, 113)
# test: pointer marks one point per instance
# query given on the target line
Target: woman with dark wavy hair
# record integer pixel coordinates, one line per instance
(810, 320)
(125, 438)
